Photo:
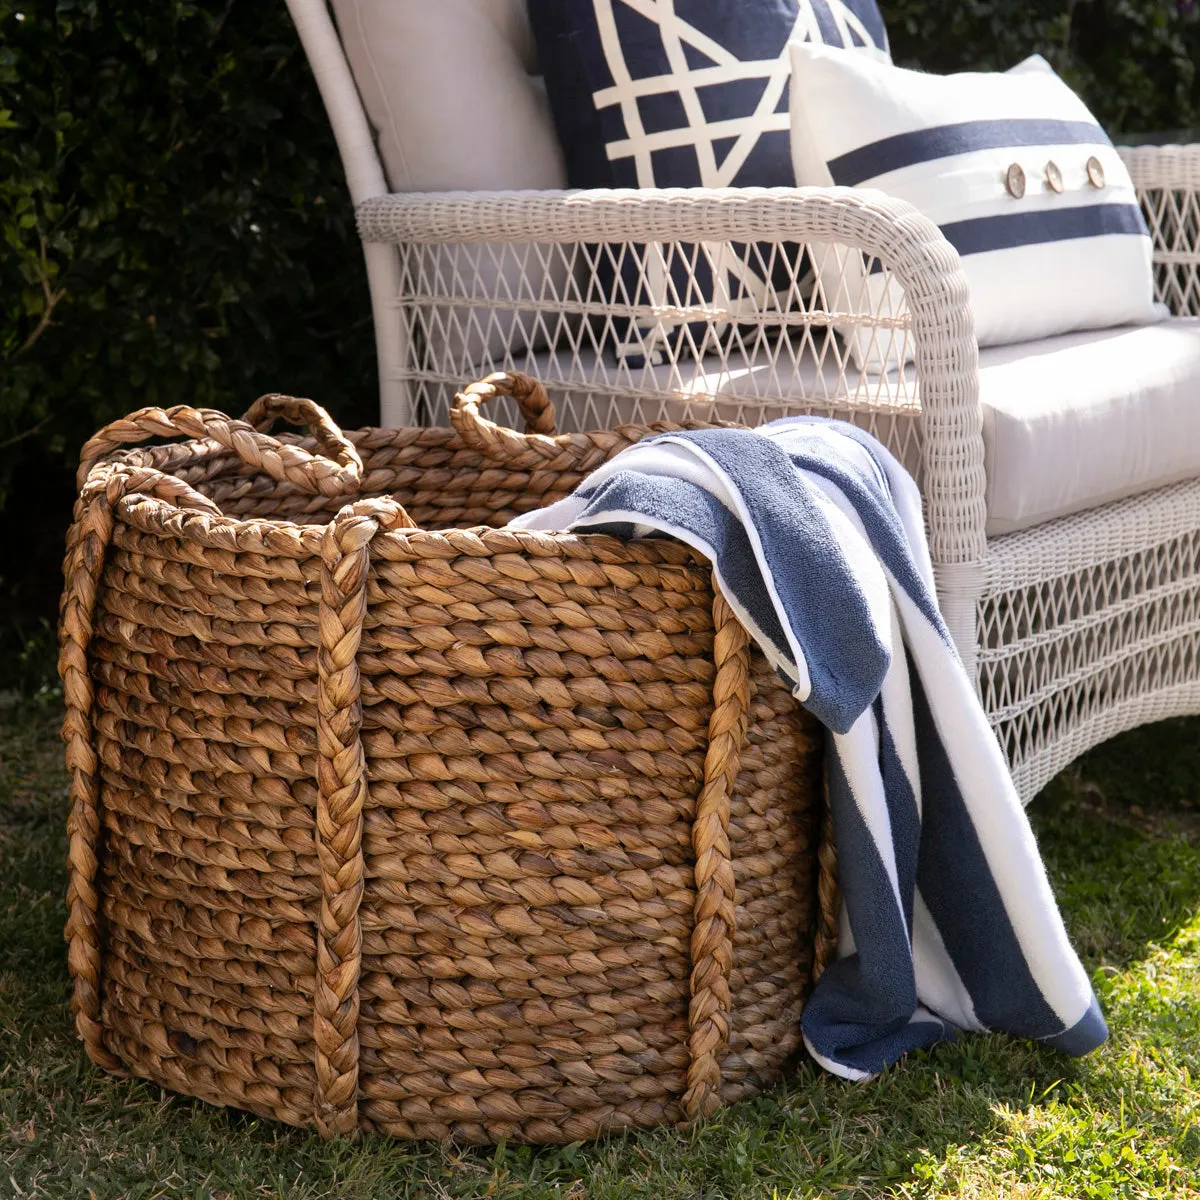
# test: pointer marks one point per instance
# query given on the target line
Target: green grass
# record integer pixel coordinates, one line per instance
(985, 1117)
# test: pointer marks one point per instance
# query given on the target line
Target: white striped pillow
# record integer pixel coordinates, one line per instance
(1071, 251)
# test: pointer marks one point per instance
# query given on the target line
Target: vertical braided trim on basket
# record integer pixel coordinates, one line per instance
(87, 544)
(715, 911)
(829, 896)
(341, 796)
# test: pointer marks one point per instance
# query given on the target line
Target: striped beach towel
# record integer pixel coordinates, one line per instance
(816, 539)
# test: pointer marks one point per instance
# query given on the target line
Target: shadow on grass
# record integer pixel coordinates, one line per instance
(1126, 883)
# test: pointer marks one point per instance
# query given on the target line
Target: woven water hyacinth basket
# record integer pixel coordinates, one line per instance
(383, 823)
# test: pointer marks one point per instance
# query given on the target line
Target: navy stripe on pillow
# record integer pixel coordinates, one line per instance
(825, 23)
(979, 235)
(942, 141)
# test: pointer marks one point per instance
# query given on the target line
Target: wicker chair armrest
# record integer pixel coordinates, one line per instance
(924, 264)
(1167, 179)
(1163, 166)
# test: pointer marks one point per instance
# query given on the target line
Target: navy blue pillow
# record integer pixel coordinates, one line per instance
(693, 93)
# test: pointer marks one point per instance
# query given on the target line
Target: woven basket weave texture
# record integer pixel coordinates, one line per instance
(384, 820)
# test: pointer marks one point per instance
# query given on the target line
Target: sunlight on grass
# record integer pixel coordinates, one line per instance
(984, 1117)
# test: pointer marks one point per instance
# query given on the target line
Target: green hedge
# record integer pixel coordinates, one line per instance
(175, 219)
(175, 225)
(1133, 61)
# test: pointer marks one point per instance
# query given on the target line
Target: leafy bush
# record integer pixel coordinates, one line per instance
(175, 218)
(175, 228)
(1133, 61)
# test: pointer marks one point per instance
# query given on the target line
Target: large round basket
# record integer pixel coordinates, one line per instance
(384, 823)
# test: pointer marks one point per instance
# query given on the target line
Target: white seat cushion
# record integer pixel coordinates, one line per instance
(1069, 422)
(1075, 421)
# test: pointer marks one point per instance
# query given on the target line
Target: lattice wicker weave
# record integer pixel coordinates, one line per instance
(382, 824)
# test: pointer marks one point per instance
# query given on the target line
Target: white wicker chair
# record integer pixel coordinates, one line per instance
(1077, 629)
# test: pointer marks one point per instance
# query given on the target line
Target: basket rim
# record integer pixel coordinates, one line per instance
(172, 457)
(276, 538)
(286, 538)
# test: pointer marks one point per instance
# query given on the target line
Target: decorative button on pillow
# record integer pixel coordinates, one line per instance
(1014, 169)
(685, 93)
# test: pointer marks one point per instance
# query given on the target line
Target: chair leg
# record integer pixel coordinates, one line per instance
(396, 408)
(959, 587)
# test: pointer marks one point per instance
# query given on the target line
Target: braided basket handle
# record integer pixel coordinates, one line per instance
(486, 436)
(710, 1006)
(829, 895)
(540, 447)
(336, 472)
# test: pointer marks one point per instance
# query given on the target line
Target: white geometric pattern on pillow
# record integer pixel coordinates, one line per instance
(1068, 250)
(698, 61)
(699, 98)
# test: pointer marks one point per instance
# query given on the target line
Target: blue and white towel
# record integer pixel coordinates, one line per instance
(817, 541)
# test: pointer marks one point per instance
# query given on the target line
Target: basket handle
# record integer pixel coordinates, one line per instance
(715, 925)
(486, 436)
(336, 472)
(829, 894)
(540, 448)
